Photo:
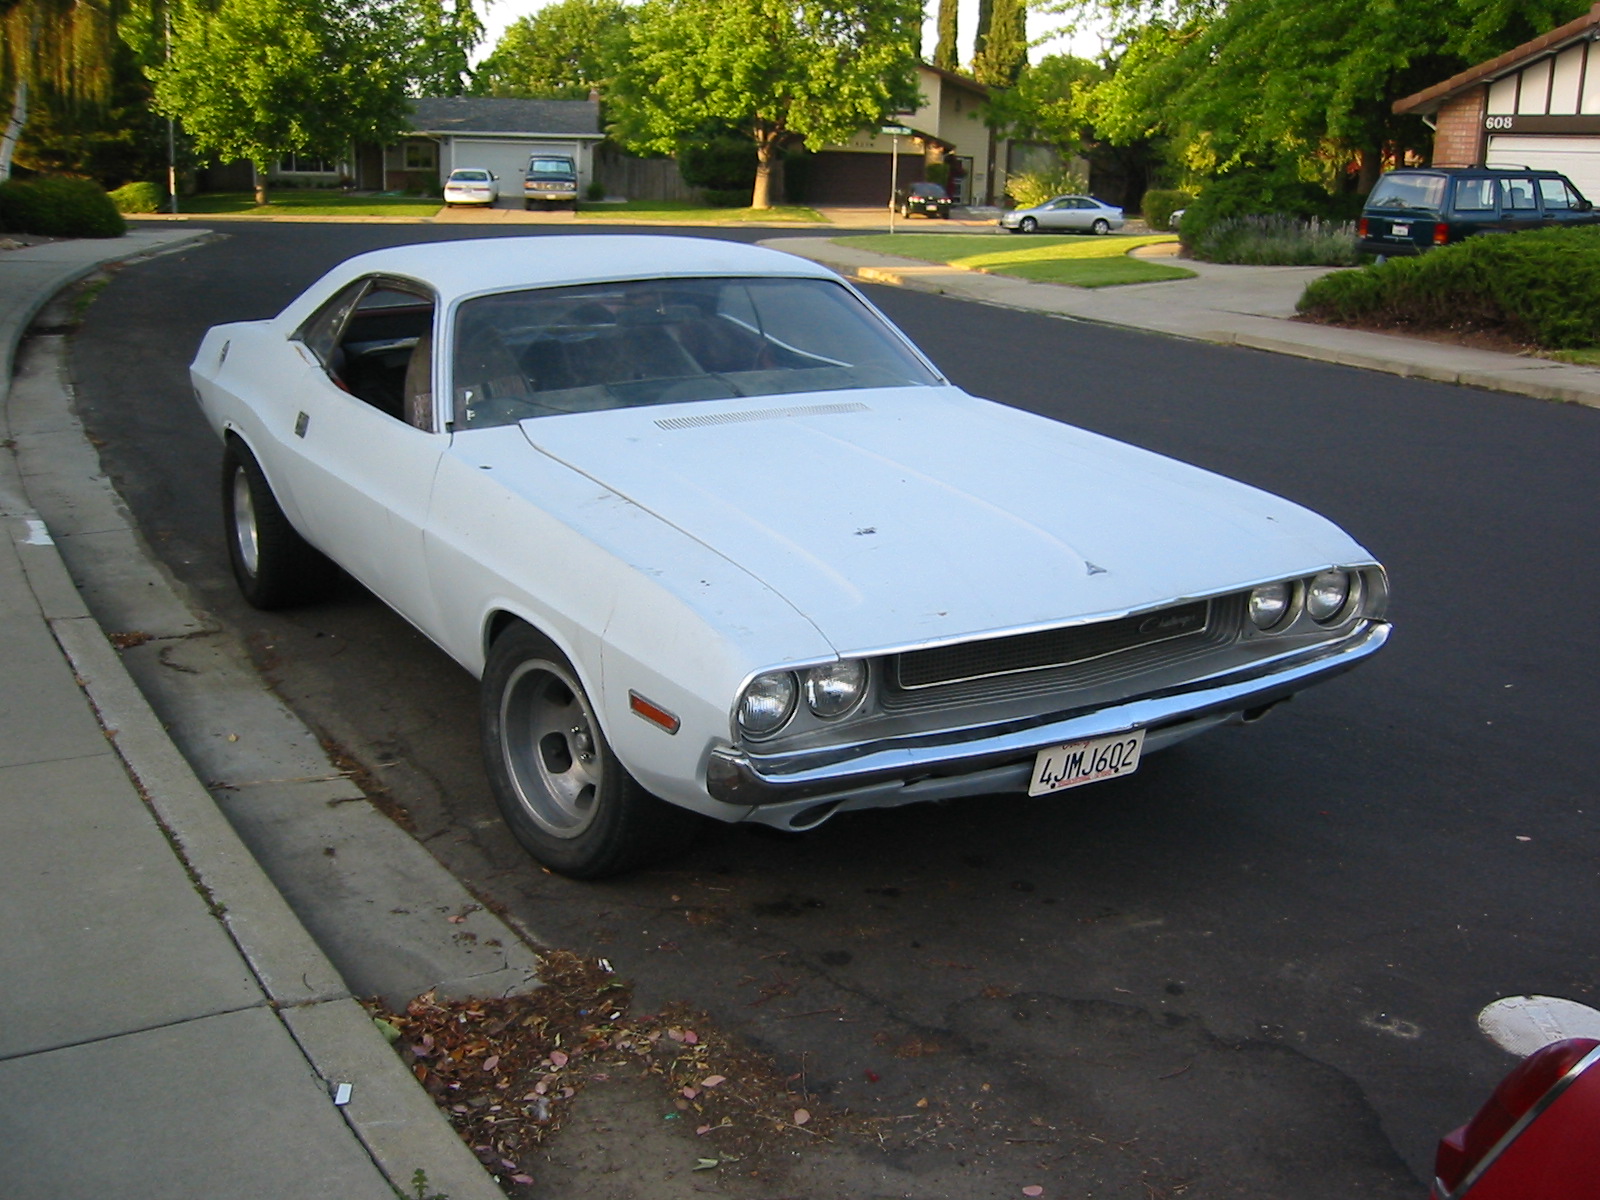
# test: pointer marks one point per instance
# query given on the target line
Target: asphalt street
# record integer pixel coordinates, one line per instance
(1251, 969)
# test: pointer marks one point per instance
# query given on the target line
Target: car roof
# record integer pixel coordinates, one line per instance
(476, 265)
(1455, 172)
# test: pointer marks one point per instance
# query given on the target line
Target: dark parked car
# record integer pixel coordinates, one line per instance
(929, 199)
(1414, 210)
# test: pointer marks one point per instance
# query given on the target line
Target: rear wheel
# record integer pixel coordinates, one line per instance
(274, 566)
(1100, 227)
(560, 788)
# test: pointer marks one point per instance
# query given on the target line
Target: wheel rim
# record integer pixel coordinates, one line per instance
(1102, 227)
(245, 537)
(550, 744)
(1029, 224)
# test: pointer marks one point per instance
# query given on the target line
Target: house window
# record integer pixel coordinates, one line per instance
(421, 156)
(305, 164)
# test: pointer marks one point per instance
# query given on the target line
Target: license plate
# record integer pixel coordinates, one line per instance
(1400, 230)
(1073, 764)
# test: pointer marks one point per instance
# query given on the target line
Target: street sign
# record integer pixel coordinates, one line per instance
(897, 130)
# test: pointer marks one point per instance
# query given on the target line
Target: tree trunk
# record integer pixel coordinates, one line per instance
(19, 118)
(259, 177)
(1371, 167)
(766, 173)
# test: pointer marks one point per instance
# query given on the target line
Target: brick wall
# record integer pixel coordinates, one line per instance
(1459, 141)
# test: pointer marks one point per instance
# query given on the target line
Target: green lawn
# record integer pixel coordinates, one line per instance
(688, 210)
(1080, 261)
(309, 202)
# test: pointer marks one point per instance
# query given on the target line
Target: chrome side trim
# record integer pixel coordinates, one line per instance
(736, 776)
(1527, 1118)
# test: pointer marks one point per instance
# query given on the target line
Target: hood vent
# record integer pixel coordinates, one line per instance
(761, 414)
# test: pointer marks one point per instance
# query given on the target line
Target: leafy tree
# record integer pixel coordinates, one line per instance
(113, 143)
(1001, 49)
(815, 71)
(63, 47)
(1050, 102)
(257, 79)
(1242, 82)
(560, 52)
(946, 52)
(443, 35)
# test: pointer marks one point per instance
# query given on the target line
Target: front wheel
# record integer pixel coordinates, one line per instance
(1027, 225)
(559, 787)
(273, 565)
(1101, 227)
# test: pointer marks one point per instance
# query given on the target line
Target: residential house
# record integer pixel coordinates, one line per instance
(1535, 106)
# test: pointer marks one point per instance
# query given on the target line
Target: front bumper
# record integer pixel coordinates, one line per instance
(969, 761)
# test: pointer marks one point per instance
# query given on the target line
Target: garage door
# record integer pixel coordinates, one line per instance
(507, 159)
(1578, 158)
(839, 177)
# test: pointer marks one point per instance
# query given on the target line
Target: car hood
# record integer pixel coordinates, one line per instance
(906, 515)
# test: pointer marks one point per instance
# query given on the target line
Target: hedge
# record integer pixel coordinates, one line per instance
(59, 208)
(1541, 286)
(139, 198)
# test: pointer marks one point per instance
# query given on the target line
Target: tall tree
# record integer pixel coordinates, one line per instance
(947, 51)
(1002, 49)
(560, 52)
(257, 79)
(1234, 82)
(63, 46)
(444, 33)
(786, 71)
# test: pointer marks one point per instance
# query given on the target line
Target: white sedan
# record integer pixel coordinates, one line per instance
(471, 185)
(721, 542)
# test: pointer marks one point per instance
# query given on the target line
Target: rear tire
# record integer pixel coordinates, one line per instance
(273, 565)
(560, 789)
(1101, 227)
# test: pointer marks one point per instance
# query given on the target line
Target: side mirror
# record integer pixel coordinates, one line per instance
(1584, 206)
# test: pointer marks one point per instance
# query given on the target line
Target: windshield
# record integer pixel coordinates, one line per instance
(1408, 191)
(550, 166)
(622, 345)
(469, 176)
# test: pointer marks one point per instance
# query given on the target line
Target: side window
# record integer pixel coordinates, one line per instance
(375, 340)
(1557, 196)
(1517, 195)
(1475, 195)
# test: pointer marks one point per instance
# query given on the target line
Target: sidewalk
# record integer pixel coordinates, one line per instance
(1238, 306)
(170, 1030)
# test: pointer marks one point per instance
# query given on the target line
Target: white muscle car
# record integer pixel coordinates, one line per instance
(721, 542)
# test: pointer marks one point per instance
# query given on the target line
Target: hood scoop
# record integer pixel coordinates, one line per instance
(760, 414)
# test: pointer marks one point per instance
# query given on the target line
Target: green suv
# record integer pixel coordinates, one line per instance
(1410, 211)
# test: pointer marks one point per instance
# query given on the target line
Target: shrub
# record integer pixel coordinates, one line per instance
(59, 208)
(139, 198)
(937, 172)
(595, 191)
(1035, 187)
(726, 163)
(1158, 205)
(728, 197)
(1541, 286)
(1278, 242)
(1252, 194)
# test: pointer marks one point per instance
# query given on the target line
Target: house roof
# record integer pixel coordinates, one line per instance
(492, 115)
(1429, 99)
(962, 81)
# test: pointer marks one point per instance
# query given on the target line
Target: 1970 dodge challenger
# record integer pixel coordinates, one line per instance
(721, 542)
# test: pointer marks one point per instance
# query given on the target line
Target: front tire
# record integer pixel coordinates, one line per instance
(273, 565)
(559, 787)
(1027, 225)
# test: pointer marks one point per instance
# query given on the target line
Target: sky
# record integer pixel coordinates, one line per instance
(502, 13)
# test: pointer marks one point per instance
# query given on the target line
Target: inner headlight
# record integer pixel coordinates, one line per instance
(767, 702)
(1269, 604)
(835, 688)
(1327, 594)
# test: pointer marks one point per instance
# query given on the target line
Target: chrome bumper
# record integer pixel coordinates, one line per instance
(811, 776)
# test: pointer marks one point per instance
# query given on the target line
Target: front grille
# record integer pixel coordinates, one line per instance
(1053, 660)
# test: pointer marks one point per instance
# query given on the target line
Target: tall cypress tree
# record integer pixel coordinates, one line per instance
(945, 54)
(1001, 50)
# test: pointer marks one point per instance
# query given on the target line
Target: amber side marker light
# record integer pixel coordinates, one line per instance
(653, 713)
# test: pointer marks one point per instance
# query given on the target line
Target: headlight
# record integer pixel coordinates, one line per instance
(767, 703)
(835, 688)
(1327, 594)
(1269, 604)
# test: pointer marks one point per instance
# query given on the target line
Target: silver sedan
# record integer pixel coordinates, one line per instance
(1080, 213)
